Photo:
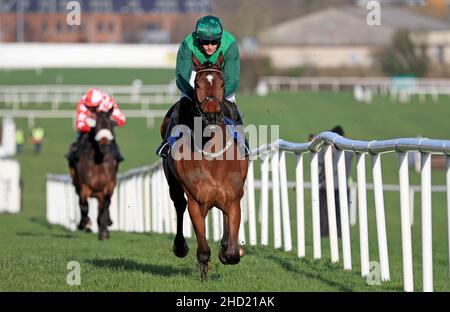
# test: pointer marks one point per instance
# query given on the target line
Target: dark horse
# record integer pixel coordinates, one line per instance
(94, 174)
(207, 183)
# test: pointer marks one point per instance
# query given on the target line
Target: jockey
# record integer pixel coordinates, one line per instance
(206, 43)
(95, 100)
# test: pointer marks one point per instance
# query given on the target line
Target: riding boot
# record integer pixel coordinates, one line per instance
(72, 155)
(235, 115)
(165, 147)
(116, 152)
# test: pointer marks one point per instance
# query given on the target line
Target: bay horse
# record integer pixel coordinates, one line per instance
(207, 183)
(94, 175)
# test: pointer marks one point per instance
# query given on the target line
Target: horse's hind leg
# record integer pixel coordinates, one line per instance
(85, 222)
(224, 241)
(203, 251)
(231, 252)
(180, 246)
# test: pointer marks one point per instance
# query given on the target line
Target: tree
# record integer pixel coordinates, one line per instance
(403, 57)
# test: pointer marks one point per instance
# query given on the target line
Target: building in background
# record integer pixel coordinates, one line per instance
(102, 21)
(341, 37)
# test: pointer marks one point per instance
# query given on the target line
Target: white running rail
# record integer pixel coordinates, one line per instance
(142, 204)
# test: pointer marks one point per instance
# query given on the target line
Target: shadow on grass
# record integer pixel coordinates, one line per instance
(290, 267)
(29, 234)
(42, 222)
(130, 265)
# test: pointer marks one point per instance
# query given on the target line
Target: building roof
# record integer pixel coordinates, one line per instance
(109, 6)
(346, 26)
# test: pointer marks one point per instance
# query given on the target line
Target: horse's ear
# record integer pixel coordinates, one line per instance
(195, 61)
(219, 60)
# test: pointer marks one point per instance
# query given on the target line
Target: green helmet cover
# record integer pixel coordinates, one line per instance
(209, 28)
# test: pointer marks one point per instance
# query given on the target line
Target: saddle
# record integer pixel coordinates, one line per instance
(232, 120)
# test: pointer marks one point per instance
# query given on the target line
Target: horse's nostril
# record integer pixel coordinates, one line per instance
(104, 141)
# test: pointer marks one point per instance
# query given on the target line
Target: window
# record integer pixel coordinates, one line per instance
(100, 27)
(44, 26)
(152, 26)
(111, 27)
(58, 26)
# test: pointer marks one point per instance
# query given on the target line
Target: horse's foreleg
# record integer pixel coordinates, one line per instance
(85, 222)
(231, 252)
(225, 239)
(203, 251)
(103, 216)
(180, 246)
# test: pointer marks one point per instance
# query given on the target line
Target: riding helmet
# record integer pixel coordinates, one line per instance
(93, 97)
(209, 28)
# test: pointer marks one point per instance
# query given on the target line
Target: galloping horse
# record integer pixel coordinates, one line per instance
(212, 181)
(94, 174)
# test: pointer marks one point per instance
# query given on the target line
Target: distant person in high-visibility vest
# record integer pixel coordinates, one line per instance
(37, 139)
(20, 140)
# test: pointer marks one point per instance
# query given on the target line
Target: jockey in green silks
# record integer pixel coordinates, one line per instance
(206, 43)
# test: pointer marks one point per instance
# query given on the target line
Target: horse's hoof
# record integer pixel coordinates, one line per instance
(85, 225)
(104, 236)
(204, 273)
(181, 253)
(222, 257)
(232, 259)
(241, 251)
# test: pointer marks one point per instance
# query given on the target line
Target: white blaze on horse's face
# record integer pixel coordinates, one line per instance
(104, 134)
(210, 79)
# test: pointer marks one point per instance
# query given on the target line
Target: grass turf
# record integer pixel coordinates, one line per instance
(34, 255)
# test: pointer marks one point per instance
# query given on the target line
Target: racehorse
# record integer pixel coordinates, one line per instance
(212, 181)
(94, 175)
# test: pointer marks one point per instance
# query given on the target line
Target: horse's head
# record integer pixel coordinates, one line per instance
(209, 90)
(103, 131)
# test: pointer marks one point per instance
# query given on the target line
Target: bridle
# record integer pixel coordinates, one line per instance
(208, 98)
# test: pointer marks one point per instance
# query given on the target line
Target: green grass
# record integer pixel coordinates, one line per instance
(34, 255)
(86, 76)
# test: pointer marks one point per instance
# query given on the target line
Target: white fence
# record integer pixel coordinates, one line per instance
(145, 95)
(32, 115)
(142, 202)
(8, 137)
(10, 198)
(396, 88)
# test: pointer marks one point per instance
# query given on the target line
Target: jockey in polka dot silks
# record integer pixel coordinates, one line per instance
(95, 100)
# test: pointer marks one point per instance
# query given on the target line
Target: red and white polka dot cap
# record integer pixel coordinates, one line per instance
(93, 97)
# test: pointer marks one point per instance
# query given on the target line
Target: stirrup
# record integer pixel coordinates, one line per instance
(245, 146)
(247, 151)
(164, 149)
